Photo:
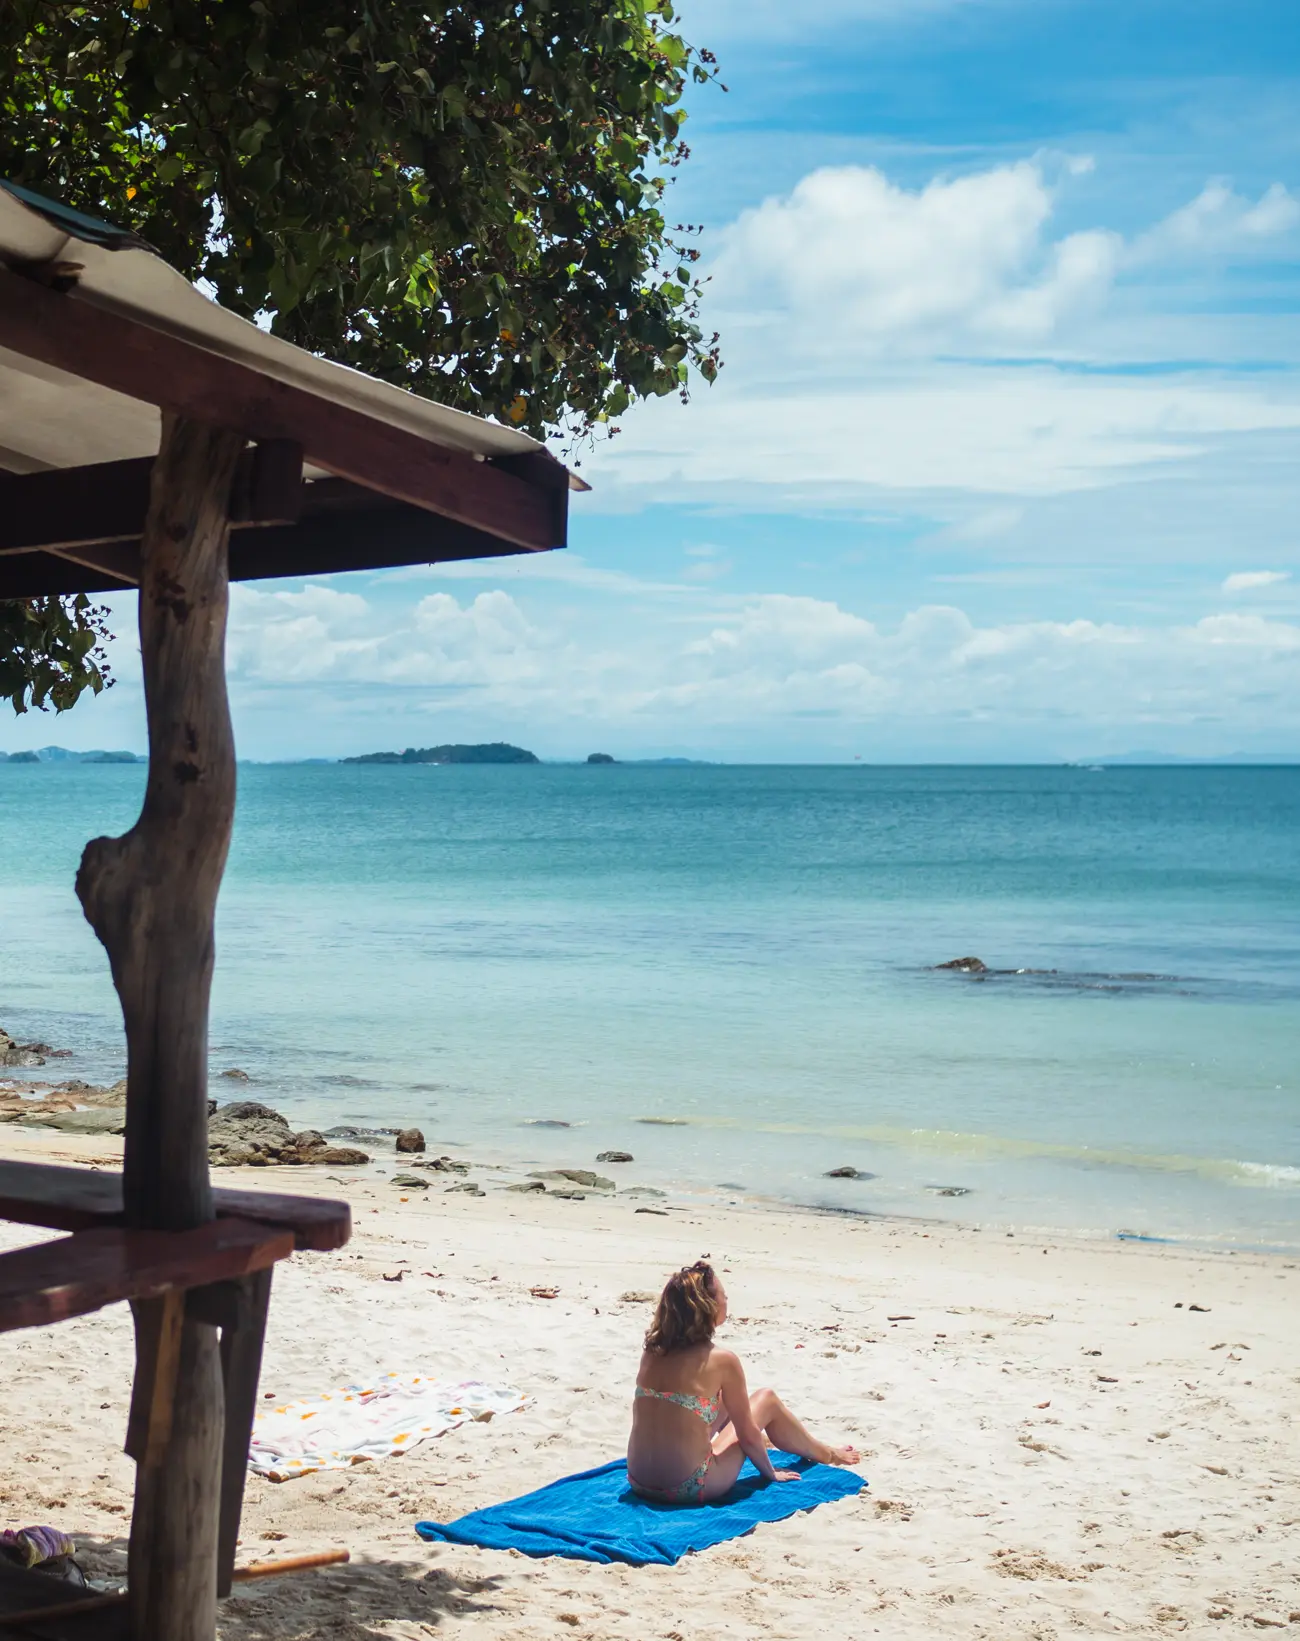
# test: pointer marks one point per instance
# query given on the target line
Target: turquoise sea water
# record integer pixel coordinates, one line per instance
(744, 954)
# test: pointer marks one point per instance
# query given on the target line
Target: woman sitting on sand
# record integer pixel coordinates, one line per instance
(694, 1422)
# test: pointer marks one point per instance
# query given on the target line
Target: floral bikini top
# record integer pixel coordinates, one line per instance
(703, 1408)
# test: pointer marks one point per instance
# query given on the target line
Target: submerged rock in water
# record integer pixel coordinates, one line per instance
(410, 1140)
(642, 1191)
(28, 1054)
(236, 1075)
(847, 1173)
(545, 1122)
(18, 1054)
(615, 1156)
(965, 965)
(950, 1190)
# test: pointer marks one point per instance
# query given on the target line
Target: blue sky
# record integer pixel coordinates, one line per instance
(1003, 461)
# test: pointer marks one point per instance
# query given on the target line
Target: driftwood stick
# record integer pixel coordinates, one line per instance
(151, 898)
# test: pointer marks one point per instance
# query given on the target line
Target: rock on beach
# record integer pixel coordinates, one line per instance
(252, 1134)
(575, 1176)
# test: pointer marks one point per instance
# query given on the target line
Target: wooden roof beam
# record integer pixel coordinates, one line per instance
(99, 345)
(67, 509)
(342, 528)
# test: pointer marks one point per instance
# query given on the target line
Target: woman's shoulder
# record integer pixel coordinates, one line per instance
(721, 1360)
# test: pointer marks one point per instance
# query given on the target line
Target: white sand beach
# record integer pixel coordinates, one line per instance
(1057, 1443)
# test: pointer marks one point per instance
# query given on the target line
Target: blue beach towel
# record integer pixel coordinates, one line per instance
(594, 1516)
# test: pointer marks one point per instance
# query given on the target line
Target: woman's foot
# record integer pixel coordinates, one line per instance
(839, 1455)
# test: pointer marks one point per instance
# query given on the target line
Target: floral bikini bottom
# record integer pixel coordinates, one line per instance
(691, 1491)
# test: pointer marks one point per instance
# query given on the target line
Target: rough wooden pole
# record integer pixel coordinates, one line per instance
(151, 898)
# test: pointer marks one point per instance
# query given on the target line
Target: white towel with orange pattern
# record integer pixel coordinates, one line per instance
(374, 1420)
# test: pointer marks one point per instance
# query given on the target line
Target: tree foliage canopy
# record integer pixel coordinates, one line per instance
(463, 197)
(51, 651)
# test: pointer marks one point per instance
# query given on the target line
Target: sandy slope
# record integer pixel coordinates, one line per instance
(1054, 1448)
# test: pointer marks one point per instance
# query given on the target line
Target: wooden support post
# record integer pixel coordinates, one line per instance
(241, 1363)
(151, 898)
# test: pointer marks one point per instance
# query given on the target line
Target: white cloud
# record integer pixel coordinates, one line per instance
(867, 328)
(1218, 222)
(768, 659)
(566, 567)
(1245, 581)
(945, 429)
(863, 260)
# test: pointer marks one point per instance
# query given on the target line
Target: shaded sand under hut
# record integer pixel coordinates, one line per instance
(150, 439)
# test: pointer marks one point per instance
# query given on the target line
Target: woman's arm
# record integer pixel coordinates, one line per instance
(735, 1398)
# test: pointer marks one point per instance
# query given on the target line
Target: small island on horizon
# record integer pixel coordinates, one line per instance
(490, 752)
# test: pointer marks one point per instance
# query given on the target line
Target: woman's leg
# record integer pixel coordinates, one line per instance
(783, 1430)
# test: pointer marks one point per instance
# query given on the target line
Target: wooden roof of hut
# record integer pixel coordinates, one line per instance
(98, 336)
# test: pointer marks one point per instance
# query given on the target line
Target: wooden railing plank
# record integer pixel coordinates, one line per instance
(90, 1269)
(77, 1199)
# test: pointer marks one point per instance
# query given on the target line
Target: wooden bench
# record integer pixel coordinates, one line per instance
(75, 1199)
(219, 1273)
(53, 1281)
(22, 1591)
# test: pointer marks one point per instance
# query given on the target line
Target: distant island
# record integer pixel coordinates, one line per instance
(492, 752)
(601, 758)
(61, 755)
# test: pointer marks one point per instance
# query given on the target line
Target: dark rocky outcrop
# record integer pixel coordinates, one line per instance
(575, 1176)
(965, 965)
(19, 1054)
(600, 758)
(615, 1156)
(236, 1075)
(410, 1140)
(252, 1134)
(85, 1122)
(410, 1182)
(28, 1054)
(847, 1173)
